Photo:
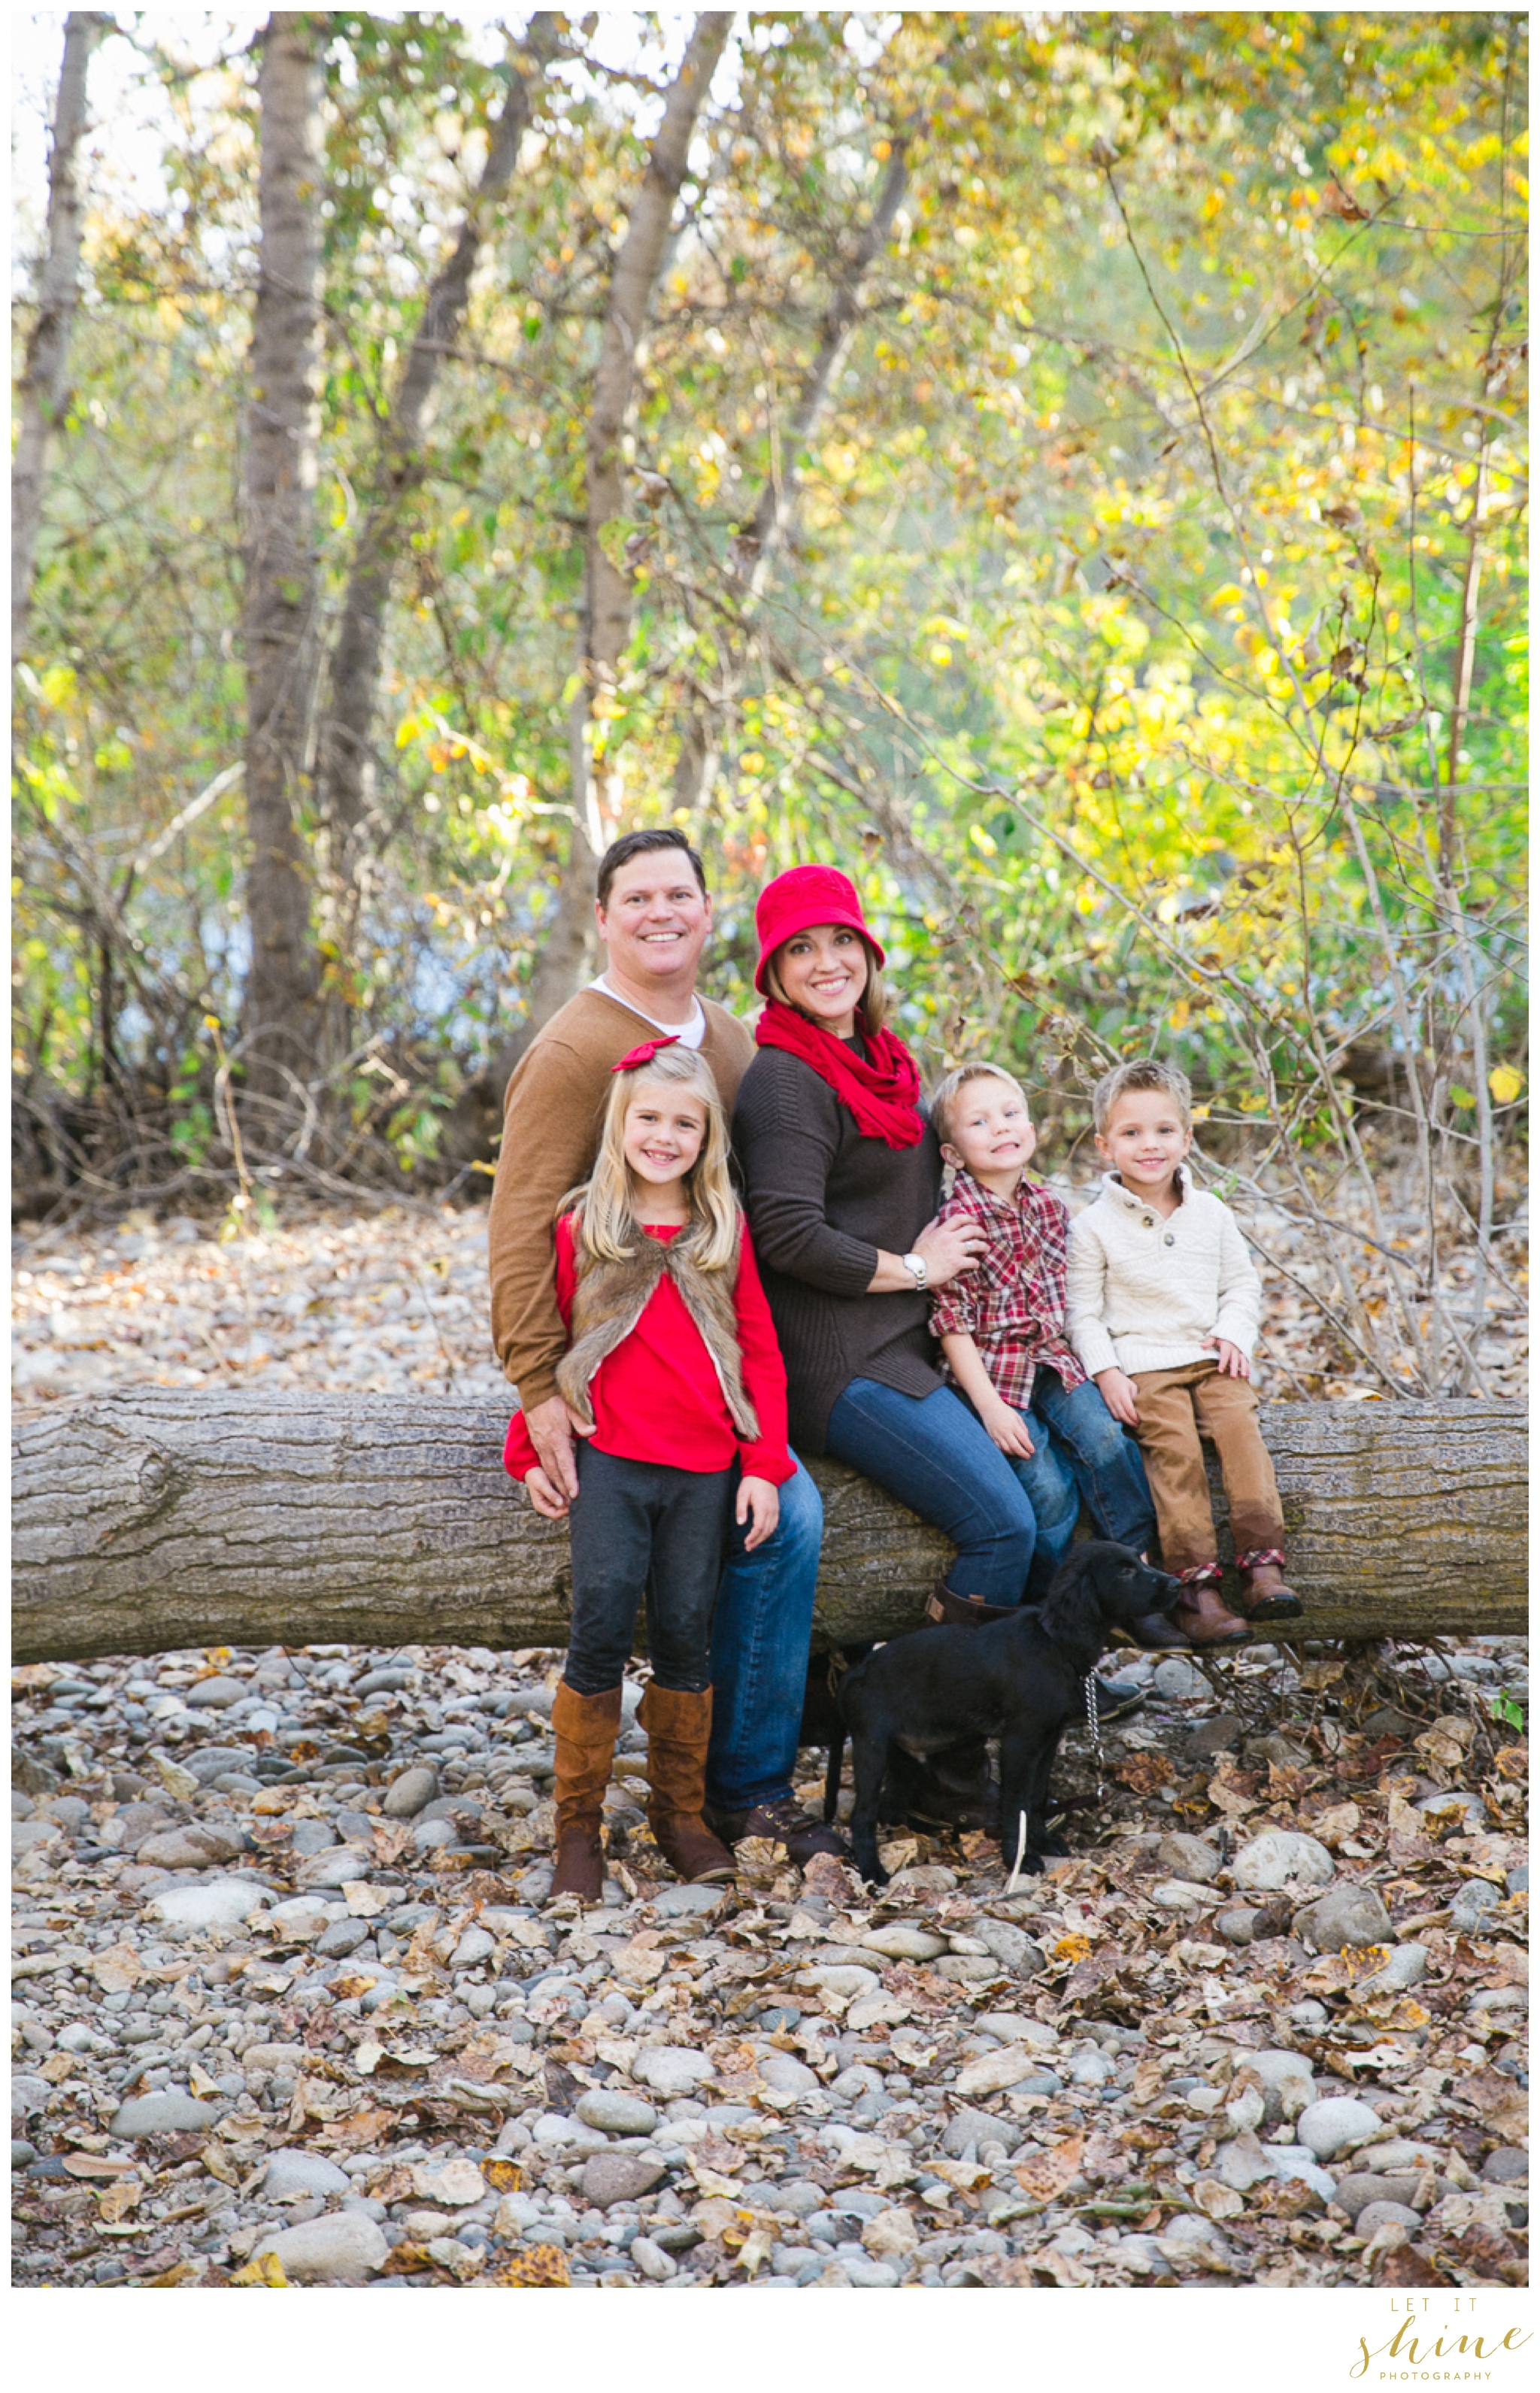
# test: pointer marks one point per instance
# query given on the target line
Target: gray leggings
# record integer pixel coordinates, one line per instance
(645, 1527)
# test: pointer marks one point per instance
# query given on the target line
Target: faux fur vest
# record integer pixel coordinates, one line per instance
(611, 1298)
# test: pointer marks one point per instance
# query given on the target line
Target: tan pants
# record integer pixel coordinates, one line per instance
(1174, 1407)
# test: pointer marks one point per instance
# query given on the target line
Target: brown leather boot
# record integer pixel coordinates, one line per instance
(586, 1728)
(1203, 1619)
(945, 1610)
(1264, 1595)
(679, 1728)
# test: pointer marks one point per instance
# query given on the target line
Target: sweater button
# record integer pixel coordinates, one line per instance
(1149, 1221)
(1170, 1237)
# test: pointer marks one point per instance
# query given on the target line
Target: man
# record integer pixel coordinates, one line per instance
(654, 918)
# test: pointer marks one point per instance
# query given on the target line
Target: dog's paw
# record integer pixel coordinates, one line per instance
(1055, 1848)
(1030, 1864)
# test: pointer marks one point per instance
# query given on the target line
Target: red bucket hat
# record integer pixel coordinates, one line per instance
(801, 899)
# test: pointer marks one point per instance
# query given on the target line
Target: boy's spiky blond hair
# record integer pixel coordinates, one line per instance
(1146, 1072)
(953, 1085)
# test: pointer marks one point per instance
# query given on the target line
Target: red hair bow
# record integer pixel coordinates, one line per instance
(645, 1053)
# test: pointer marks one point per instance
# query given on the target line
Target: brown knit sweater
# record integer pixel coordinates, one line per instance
(551, 1119)
(822, 1199)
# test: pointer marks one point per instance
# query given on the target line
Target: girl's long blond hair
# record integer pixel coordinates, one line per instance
(607, 1228)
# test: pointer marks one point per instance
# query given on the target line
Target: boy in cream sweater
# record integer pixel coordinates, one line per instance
(1163, 1308)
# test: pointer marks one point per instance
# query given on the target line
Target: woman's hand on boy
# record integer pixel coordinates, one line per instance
(1232, 1358)
(949, 1249)
(545, 1496)
(1007, 1428)
(1119, 1394)
(758, 1502)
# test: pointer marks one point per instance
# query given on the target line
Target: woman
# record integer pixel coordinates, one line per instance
(842, 1172)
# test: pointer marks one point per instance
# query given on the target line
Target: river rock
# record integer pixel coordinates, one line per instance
(1351, 1915)
(304, 1915)
(341, 2249)
(1376, 2215)
(166, 2114)
(1181, 1894)
(339, 1866)
(687, 1901)
(1179, 1681)
(1329, 2127)
(1193, 1858)
(342, 1937)
(620, 2177)
(1279, 1856)
(218, 1903)
(1239, 1926)
(217, 1695)
(1406, 1966)
(1011, 1946)
(455, 2183)
(193, 1848)
(900, 1940)
(289, 2173)
(992, 2071)
(1507, 2165)
(784, 2073)
(615, 2114)
(1356, 2191)
(409, 1794)
(474, 1946)
(29, 2095)
(673, 2069)
(1287, 2083)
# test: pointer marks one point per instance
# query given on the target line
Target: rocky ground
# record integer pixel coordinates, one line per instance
(291, 2007)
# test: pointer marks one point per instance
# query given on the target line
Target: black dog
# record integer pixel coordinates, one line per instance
(1021, 1680)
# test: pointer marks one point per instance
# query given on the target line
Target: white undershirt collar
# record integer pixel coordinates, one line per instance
(689, 1034)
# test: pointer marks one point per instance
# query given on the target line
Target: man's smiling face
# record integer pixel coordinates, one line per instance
(656, 923)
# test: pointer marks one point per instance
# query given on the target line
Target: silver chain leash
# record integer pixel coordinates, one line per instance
(1093, 1730)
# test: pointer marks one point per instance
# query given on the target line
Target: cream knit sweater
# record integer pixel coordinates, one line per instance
(1145, 1290)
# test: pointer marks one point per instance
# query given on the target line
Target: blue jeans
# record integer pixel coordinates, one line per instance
(761, 1634)
(935, 1455)
(1107, 1464)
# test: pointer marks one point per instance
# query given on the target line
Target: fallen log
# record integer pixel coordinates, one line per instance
(156, 1518)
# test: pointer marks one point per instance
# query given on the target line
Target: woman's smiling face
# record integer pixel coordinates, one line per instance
(824, 975)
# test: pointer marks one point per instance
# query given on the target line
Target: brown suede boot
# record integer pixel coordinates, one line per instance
(586, 1728)
(1203, 1619)
(679, 1728)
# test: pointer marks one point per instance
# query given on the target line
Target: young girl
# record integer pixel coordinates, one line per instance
(676, 1382)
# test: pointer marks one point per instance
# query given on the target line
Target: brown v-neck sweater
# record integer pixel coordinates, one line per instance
(551, 1120)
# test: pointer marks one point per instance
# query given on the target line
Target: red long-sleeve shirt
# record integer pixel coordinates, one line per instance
(656, 1398)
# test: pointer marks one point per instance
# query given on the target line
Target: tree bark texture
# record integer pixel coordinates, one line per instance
(605, 620)
(45, 375)
(764, 534)
(282, 432)
(157, 1519)
(344, 735)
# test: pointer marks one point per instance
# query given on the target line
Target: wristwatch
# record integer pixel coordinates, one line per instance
(920, 1267)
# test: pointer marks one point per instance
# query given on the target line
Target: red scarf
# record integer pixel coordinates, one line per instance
(882, 1094)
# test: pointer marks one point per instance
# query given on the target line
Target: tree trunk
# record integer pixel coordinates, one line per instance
(43, 391)
(605, 621)
(344, 736)
(158, 1519)
(764, 535)
(282, 983)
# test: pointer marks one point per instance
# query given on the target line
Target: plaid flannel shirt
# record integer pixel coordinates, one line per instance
(1012, 1305)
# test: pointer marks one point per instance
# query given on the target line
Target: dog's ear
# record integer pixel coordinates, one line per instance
(1071, 1611)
